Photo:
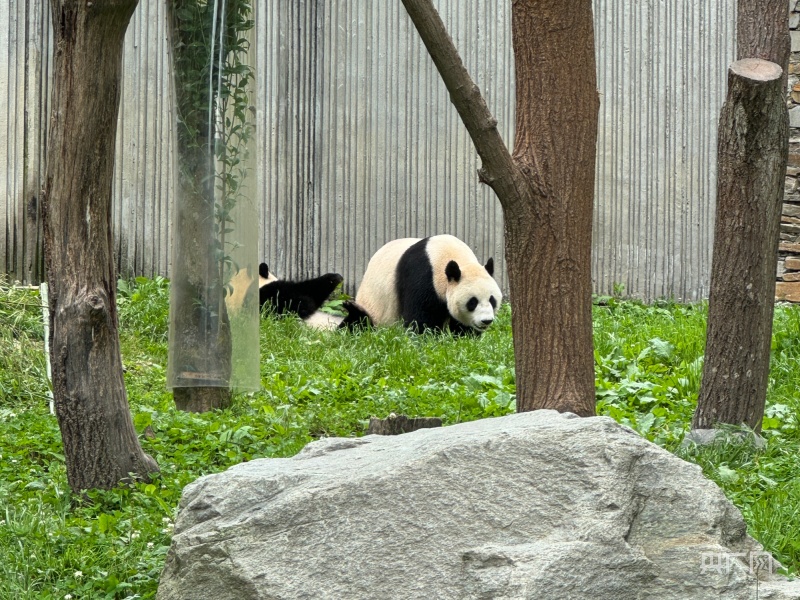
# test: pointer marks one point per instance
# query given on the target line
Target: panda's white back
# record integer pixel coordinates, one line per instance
(323, 321)
(377, 293)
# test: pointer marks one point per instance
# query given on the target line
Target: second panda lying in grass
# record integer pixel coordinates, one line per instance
(303, 298)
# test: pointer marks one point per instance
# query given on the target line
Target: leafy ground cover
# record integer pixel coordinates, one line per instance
(112, 544)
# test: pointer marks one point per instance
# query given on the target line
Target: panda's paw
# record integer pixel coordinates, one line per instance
(304, 312)
(461, 330)
(356, 317)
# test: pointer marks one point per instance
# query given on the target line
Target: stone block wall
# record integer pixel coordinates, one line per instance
(788, 286)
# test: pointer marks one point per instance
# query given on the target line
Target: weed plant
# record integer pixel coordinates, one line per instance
(112, 544)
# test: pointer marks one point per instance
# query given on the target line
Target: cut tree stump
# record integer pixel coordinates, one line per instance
(752, 154)
(397, 424)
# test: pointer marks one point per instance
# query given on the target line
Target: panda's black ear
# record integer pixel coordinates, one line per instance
(263, 270)
(452, 271)
(490, 266)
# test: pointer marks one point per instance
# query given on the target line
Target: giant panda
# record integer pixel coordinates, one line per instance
(303, 298)
(428, 283)
(236, 290)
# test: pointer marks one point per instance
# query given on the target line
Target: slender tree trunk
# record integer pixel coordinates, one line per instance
(100, 442)
(753, 151)
(546, 189)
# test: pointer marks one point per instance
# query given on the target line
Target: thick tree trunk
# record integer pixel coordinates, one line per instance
(549, 234)
(546, 190)
(734, 385)
(753, 150)
(100, 442)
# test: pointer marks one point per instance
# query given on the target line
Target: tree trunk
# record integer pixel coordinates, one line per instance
(549, 235)
(752, 232)
(397, 424)
(546, 190)
(201, 398)
(752, 155)
(762, 31)
(100, 443)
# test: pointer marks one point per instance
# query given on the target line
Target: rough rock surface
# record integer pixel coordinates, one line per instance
(536, 505)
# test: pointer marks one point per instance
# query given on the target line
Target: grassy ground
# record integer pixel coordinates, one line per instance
(648, 365)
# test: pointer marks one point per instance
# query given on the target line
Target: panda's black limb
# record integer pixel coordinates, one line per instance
(300, 297)
(459, 329)
(357, 317)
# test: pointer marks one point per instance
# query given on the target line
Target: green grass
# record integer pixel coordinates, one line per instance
(112, 544)
(648, 364)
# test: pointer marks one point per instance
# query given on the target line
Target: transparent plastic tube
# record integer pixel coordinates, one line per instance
(214, 312)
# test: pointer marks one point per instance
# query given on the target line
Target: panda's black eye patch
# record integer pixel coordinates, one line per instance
(472, 304)
(492, 301)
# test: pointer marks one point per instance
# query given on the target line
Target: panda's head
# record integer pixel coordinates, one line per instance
(473, 295)
(264, 275)
(237, 288)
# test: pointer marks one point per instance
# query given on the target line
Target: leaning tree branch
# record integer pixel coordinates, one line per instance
(545, 189)
(499, 170)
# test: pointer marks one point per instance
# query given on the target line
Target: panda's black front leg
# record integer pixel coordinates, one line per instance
(458, 329)
(421, 309)
(433, 318)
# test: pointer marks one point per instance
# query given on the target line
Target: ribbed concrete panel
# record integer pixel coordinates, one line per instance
(143, 169)
(661, 73)
(24, 33)
(287, 107)
(11, 128)
(389, 157)
(143, 184)
(363, 145)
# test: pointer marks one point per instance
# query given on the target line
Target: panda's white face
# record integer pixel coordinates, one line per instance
(473, 297)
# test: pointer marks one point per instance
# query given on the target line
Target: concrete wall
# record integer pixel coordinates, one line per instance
(361, 144)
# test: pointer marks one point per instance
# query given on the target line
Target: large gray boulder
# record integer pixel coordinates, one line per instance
(536, 505)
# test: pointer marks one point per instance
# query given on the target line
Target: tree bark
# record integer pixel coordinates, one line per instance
(762, 31)
(397, 424)
(100, 443)
(546, 189)
(752, 155)
(549, 235)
